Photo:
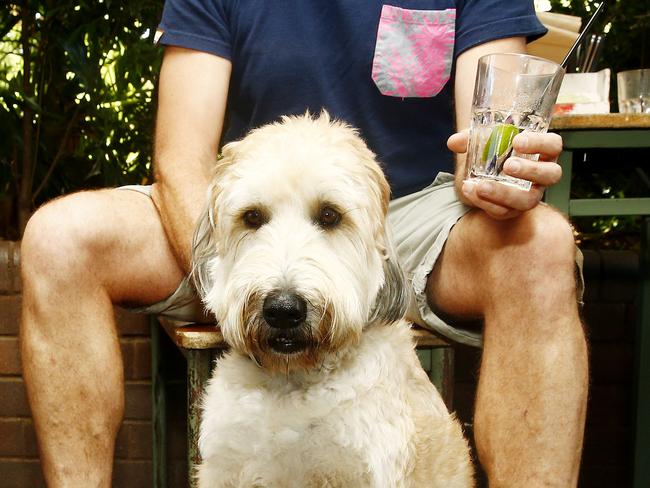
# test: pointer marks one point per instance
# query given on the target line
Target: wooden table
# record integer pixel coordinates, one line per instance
(618, 131)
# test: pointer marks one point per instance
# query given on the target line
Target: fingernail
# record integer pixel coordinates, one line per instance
(467, 187)
(514, 166)
(522, 142)
(486, 188)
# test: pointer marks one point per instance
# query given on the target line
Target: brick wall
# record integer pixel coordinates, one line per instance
(19, 465)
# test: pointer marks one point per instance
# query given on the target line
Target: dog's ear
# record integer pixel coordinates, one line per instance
(393, 297)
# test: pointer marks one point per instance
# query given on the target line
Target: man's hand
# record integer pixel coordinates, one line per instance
(503, 201)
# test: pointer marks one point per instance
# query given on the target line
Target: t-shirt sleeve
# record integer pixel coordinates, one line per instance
(196, 24)
(480, 21)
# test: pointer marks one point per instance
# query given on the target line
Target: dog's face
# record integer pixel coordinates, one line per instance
(292, 254)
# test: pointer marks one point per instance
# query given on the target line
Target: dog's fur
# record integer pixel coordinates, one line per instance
(351, 407)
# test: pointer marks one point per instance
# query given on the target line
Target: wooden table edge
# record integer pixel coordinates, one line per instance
(188, 335)
(600, 121)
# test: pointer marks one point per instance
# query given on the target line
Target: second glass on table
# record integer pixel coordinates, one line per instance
(513, 93)
(634, 91)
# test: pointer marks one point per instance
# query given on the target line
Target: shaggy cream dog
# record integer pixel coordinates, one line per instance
(322, 386)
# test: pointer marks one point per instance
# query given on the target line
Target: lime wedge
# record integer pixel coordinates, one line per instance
(500, 142)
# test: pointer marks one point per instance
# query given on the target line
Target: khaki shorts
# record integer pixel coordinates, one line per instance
(419, 224)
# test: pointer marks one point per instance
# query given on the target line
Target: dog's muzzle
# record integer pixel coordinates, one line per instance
(285, 313)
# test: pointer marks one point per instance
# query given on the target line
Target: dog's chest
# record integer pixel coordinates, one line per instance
(334, 434)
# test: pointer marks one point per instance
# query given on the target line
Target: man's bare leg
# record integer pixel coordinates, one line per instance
(81, 254)
(531, 399)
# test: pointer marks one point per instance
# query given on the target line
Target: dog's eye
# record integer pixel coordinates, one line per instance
(328, 217)
(254, 218)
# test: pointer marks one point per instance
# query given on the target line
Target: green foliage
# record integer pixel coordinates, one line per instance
(610, 173)
(76, 98)
(625, 24)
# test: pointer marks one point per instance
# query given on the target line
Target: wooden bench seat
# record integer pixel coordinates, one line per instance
(207, 336)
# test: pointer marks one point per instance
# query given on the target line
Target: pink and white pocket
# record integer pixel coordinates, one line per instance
(414, 51)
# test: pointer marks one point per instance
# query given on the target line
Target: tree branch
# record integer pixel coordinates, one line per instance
(27, 173)
(59, 153)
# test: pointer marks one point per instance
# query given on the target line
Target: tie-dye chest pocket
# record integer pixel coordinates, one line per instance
(414, 51)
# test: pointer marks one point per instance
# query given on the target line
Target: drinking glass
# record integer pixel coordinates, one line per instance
(634, 91)
(513, 93)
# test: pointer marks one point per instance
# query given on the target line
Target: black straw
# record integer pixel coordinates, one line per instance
(582, 34)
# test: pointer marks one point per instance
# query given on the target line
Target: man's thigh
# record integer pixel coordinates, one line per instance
(420, 225)
(114, 235)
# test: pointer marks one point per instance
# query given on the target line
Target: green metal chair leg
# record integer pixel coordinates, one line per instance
(438, 362)
(642, 441)
(159, 402)
(199, 366)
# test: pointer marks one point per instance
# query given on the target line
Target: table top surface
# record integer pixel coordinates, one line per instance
(601, 121)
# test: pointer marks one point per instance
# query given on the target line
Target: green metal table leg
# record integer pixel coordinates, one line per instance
(438, 362)
(199, 366)
(642, 441)
(159, 402)
(558, 195)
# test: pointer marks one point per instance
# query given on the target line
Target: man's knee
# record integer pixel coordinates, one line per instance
(534, 275)
(540, 241)
(59, 237)
(528, 263)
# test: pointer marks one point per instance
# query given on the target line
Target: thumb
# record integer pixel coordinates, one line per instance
(458, 142)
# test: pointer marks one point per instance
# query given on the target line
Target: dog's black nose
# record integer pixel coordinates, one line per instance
(283, 310)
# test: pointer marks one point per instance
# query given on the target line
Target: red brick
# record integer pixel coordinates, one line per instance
(132, 474)
(10, 314)
(127, 358)
(142, 359)
(13, 400)
(31, 444)
(134, 441)
(9, 356)
(136, 354)
(138, 400)
(129, 323)
(17, 438)
(9, 267)
(21, 473)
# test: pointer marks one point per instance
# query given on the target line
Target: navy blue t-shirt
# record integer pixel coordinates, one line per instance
(384, 69)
